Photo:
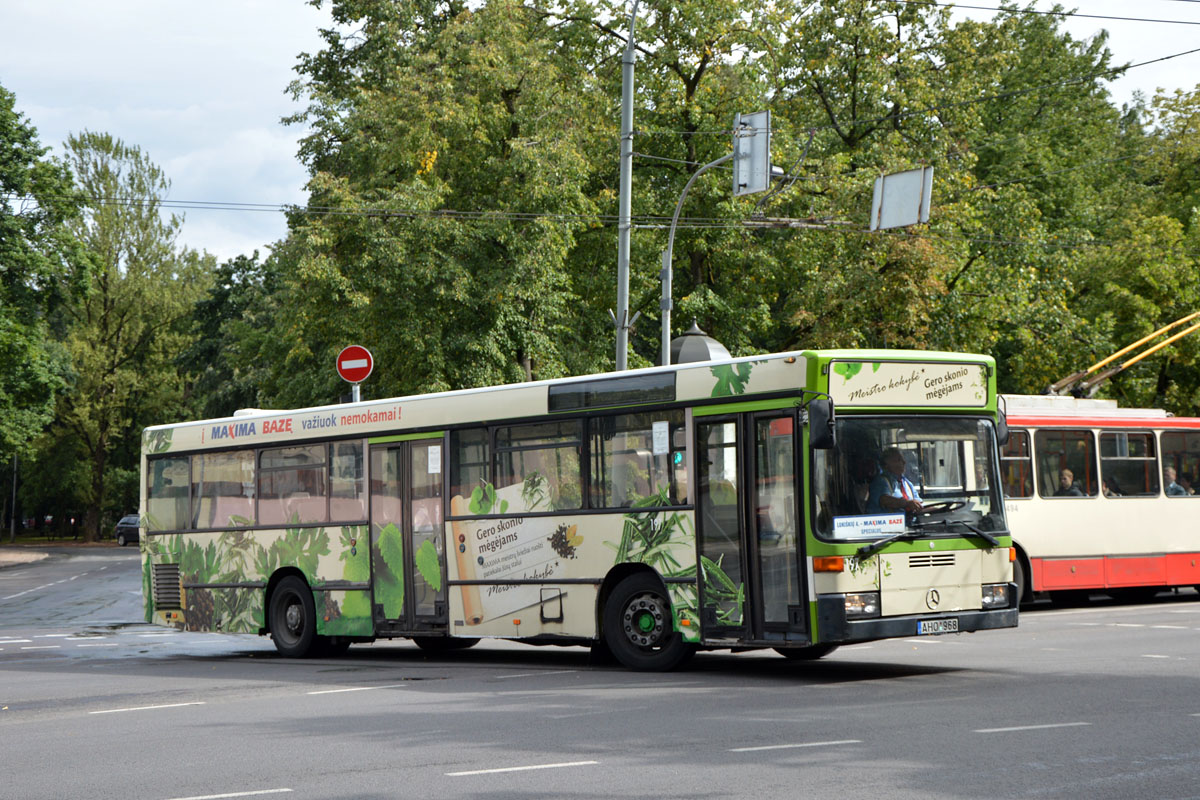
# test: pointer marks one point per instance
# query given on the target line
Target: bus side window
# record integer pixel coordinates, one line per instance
(1066, 463)
(468, 461)
(1016, 465)
(629, 464)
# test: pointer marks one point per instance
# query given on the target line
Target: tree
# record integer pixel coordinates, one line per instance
(36, 201)
(126, 329)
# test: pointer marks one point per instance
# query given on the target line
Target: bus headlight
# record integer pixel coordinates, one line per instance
(995, 595)
(862, 604)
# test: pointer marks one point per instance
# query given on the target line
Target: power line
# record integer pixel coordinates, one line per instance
(1060, 14)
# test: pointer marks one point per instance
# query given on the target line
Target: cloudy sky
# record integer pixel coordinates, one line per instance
(200, 87)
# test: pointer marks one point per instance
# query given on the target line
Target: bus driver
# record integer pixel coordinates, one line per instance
(890, 490)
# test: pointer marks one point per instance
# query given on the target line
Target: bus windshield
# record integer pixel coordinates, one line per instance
(948, 464)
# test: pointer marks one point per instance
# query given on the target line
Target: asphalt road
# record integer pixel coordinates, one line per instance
(1096, 700)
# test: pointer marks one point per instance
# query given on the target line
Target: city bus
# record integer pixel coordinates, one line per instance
(649, 513)
(1099, 497)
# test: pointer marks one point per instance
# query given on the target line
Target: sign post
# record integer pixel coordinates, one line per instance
(354, 364)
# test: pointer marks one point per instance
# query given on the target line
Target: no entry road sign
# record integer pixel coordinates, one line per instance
(354, 364)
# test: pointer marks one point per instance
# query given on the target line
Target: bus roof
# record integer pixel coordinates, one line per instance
(708, 381)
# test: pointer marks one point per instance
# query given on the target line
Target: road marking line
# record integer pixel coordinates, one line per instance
(922, 641)
(1128, 625)
(233, 794)
(1152, 655)
(360, 689)
(791, 746)
(102, 644)
(1170, 627)
(52, 636)
(27, 591)
(16, 641)
(146, 708)
(535, 674)
(1034, 727)
(520, 769)
(44, 647)
(155, 635)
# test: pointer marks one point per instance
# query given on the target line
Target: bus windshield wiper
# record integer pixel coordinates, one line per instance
(946, 523)
(874, 547)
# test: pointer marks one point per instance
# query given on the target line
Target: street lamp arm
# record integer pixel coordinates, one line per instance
(666, 270)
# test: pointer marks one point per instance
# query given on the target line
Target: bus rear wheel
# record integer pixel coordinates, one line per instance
(639, 626)
(810, 653)
(293, 617)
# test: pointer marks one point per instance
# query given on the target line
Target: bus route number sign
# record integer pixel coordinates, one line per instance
(354, 364)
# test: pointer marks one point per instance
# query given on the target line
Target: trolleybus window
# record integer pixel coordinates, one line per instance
(1181, 450)
(950, 461)
(1127, 464)
(1066, 463)
(1016, 465)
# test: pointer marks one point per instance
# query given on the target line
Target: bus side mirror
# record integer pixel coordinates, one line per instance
(821, 421)
(1001, 428)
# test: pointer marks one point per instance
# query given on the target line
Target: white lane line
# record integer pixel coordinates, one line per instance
(43, 647)
(922, 641)
(360, 689)
(536, 674)
(1127, 625)
(146, 708)
(154, 635)
(1170, 627)
(101, 644)
(1195, 715)
(1152, 655)
(233, 794)
(27, 591)
(16, 641)
(51, 636)
(1034, 727)
(521, 769)
(792, 746)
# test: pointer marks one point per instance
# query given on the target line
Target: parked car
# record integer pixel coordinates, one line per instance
(126, 531)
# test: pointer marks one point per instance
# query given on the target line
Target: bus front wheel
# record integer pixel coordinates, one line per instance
(639, 626)
(293, 618)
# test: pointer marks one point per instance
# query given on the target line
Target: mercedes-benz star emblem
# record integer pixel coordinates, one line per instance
(932, 598)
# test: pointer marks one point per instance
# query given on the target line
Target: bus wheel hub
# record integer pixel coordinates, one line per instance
(645, 619)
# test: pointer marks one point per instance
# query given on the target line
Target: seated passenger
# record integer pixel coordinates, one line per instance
(890, 490)
(1067, 486)
(1172, 488)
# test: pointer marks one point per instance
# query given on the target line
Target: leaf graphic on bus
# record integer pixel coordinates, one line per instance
(731, 378)
(847, 369)
(429, 565)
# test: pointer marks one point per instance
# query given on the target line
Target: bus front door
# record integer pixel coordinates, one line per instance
(408, 542)
(748, 535)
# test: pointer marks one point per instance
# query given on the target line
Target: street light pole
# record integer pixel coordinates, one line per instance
(621, 320)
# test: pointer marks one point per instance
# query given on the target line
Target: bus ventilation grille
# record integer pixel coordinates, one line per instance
(167, 588)
(931, 560)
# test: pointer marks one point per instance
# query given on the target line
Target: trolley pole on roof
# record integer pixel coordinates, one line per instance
(621, 318)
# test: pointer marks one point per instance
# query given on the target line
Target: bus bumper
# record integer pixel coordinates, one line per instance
(833, 627)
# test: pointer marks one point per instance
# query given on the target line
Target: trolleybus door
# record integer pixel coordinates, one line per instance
(748, 532)
(408, 542)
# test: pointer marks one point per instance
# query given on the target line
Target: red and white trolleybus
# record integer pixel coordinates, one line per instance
(1100, 497)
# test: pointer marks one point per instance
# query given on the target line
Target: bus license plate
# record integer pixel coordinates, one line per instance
(930, 627)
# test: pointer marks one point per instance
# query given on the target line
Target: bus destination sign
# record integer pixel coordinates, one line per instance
(907, 383)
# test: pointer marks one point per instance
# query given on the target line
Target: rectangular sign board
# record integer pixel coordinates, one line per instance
(910, 384)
